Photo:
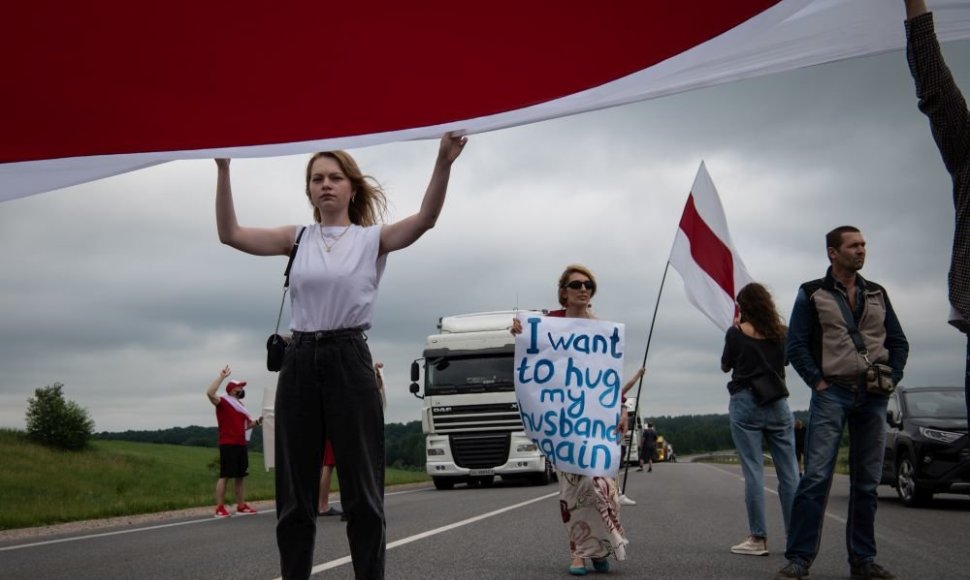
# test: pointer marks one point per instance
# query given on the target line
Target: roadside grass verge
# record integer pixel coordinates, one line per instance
(43, 486)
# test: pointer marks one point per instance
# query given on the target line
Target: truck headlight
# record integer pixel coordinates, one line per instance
(434, 451)
(526, 448)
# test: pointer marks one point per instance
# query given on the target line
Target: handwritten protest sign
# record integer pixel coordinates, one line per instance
(567, 381)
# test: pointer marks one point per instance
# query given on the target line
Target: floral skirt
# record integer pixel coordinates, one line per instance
(590, 511)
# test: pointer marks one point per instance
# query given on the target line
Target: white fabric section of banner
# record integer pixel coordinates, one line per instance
(240, 408)
(790, 35)
(702, 290)
(269, 427)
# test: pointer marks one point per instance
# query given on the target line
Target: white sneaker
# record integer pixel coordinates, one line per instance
(751, 546)
(624, 500)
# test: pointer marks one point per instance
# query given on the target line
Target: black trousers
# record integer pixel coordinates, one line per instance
(327, 388)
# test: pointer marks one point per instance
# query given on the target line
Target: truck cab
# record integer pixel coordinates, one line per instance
(469, 412)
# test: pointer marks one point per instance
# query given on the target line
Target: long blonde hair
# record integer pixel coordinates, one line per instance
(368, 205)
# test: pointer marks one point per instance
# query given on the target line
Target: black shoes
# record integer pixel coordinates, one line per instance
(867, 570)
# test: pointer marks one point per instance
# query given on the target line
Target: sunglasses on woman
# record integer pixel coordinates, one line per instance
(577, 284)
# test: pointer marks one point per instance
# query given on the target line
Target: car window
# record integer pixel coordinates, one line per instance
(937, 404)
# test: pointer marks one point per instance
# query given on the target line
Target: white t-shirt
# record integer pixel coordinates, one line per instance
(335, 289)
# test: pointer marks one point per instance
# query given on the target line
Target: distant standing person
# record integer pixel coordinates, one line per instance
(234, 421)
(829, 316)
(324, 508)
(753, 347)
(941, 100)
(649, 450)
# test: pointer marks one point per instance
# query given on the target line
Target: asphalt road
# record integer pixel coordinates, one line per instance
(688, 515)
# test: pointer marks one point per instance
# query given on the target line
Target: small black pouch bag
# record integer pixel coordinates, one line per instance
(275, 345)
(768, 386)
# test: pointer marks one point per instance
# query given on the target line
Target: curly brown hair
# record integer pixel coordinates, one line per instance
(758, 309)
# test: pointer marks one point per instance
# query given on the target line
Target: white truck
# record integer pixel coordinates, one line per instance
(469, 413)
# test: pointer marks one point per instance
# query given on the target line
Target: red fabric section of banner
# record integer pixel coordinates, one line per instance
(113, 76)
(710, 253)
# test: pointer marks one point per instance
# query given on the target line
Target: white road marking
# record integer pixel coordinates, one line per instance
(828, 514)
(403, 541)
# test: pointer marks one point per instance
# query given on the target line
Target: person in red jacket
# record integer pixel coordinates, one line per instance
(235, 425)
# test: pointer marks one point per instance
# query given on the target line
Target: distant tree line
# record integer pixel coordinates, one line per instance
(193, 436)
(404, 442)
(692, 434)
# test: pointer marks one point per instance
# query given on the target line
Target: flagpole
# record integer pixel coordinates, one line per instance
(636, 407)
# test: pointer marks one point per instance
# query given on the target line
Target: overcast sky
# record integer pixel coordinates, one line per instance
(120, 289)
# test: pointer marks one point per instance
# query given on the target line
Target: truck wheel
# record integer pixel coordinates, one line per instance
(443, 482)
(907, 485)
(545, 477)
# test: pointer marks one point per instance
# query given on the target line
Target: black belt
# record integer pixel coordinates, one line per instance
(325, 335)
(848, 383)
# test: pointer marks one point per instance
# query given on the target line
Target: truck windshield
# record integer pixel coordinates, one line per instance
(447, 375)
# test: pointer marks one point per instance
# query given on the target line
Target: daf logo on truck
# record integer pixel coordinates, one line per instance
(469, 414)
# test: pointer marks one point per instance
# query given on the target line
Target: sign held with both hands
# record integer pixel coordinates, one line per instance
(568, 384)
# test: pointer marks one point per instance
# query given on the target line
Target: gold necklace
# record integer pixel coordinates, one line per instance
(323, 238)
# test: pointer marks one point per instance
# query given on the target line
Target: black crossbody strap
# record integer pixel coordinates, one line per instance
(851, 326)
(296, 246)
(286, 277)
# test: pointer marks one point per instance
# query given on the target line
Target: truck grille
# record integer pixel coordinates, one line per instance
(465, 418)
(480, 450)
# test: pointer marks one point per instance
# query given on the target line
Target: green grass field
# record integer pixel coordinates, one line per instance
(42, 486)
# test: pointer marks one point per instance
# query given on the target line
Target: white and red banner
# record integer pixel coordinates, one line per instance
(93, 89)
(705, 256)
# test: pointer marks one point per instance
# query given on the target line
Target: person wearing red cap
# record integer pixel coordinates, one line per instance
(235, 425)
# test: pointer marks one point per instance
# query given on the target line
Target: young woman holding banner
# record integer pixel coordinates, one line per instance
(327, 386)
(589, 506)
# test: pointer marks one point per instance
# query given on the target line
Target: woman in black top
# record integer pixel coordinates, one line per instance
(755, 346)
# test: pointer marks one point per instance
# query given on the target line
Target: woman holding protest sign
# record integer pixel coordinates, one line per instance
(589, 506)
(327, 384)
(754, 349)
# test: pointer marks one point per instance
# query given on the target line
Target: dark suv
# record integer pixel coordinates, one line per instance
(927, 448)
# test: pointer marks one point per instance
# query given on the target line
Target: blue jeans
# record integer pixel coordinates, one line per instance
(829, 412)
(750, 426)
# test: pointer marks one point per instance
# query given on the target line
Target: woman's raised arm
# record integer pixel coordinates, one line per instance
(258, 241)
(405, 232)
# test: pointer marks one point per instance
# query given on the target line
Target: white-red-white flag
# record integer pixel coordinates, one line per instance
(705, 256)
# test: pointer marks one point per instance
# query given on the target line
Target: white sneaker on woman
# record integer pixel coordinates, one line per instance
(751, 546)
